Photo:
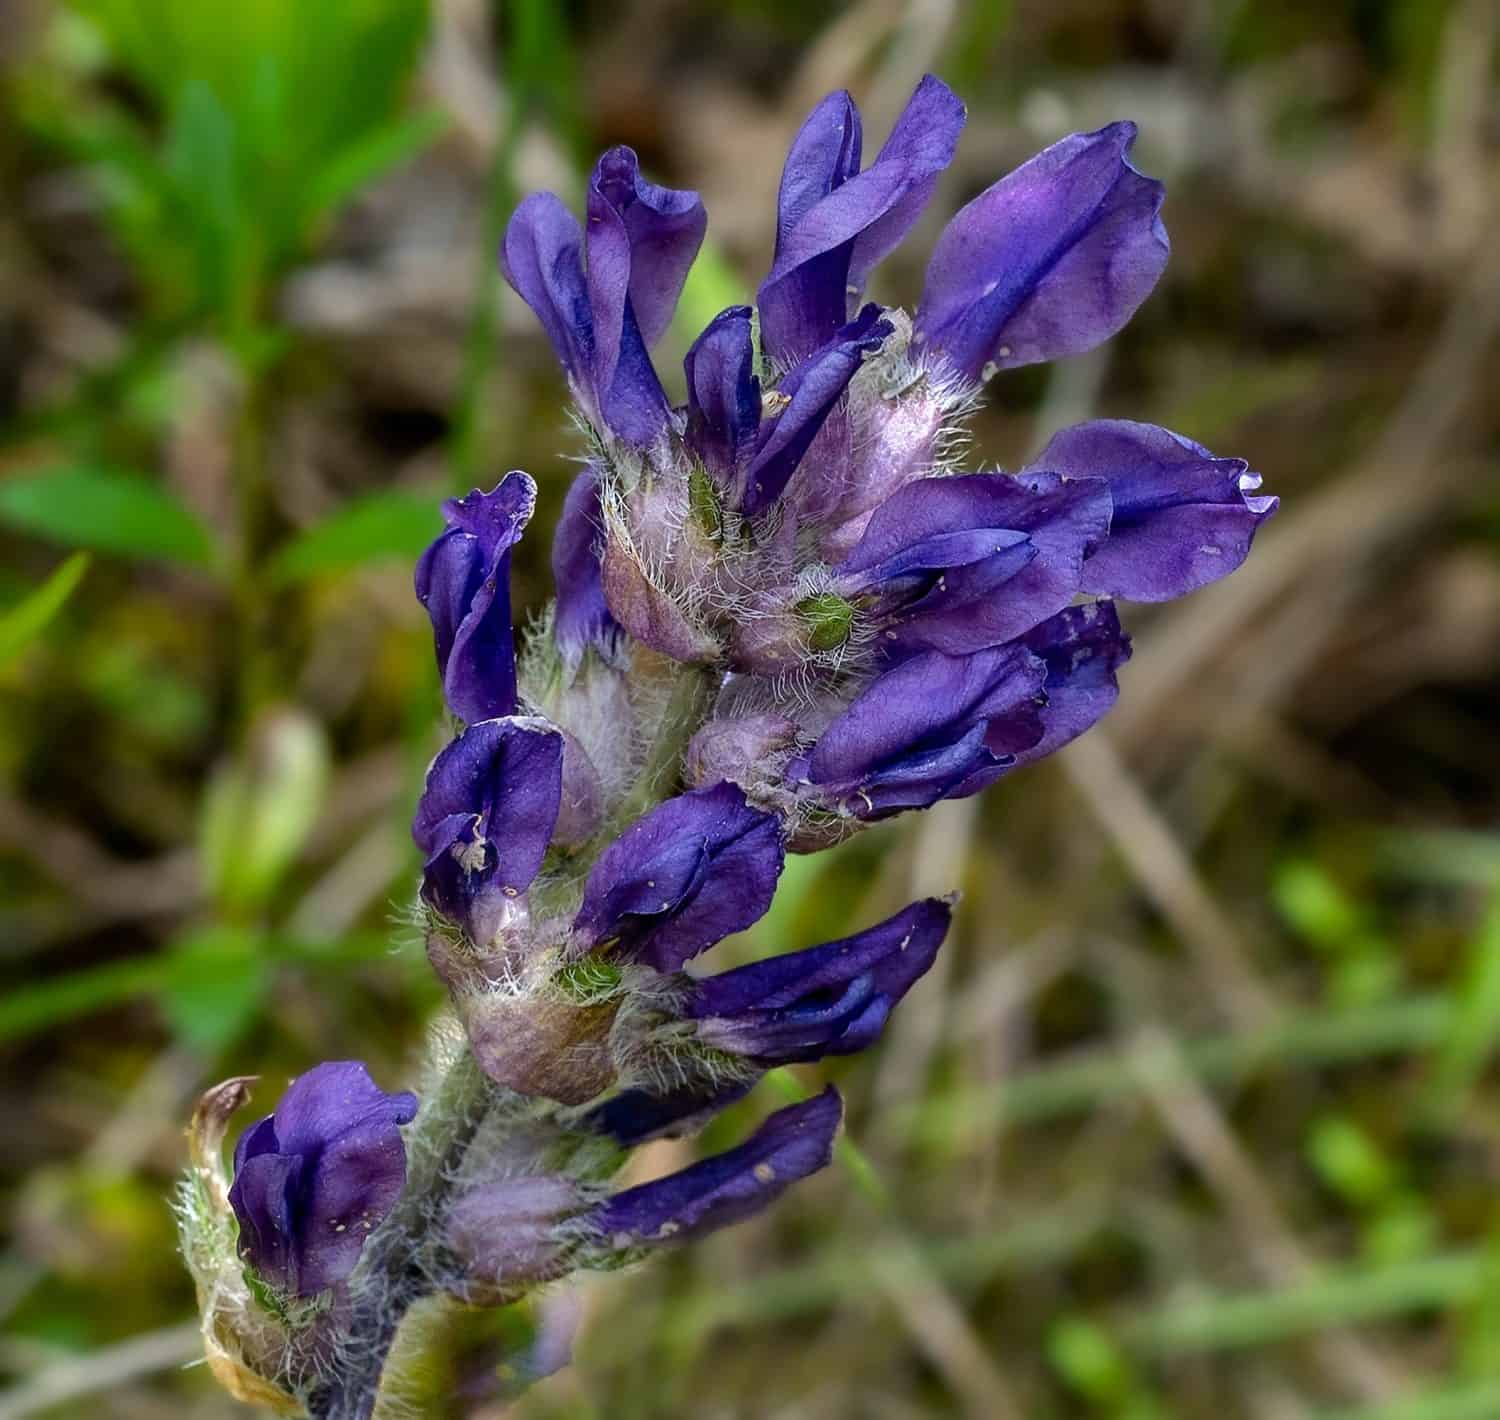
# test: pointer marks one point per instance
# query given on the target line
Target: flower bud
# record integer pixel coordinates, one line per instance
(541, 1046)
(793, 1143)
(314, 1179)
(511, 1235)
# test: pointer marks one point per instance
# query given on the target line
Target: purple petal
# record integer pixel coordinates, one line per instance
(683, 877)
(583, 619)
(641, 241)
(921, 144)
(496, 792)
(791, 1144)
(664, 227)
(542, 258)
(1082, 649)
(824, 155)
(723, 394)
(1182, 518)
(463, 580)
(1050, 261)
(333, 1097)
(958, 564)
(823, 1001)
(264, 1197)
(828, 240)
(315, 1178)
(812, 390)
(929, 705)
(357, 1179)
(634, 1116)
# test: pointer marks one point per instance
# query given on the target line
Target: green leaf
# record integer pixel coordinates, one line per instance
(258, 811)
(44, 1004)
(375, 153)
(215, 982)
(24, 622)
(392, 525)
(108, 511)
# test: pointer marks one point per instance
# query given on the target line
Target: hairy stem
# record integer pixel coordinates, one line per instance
(396, 1269)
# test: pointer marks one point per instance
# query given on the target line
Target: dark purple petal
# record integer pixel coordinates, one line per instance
(357, 1180)
(828, 1000)
(836, 223)
(641, 241)
(542, 258)
(683, 877)
(316, 1177)
(921, 144)
(723, 395)
(265, 1197)
(1082, 649)
(933, 717)
(1182, 518)
(1050, 261)
(583, 619)
(463, 580)
(824, 155)
(664, 227)
(810, 393)
(791, 1144)
(330, 1099)
(487, 814)
(634, 1116)
(958, 564)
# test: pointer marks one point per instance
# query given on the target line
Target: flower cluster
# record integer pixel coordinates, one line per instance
(782, 612)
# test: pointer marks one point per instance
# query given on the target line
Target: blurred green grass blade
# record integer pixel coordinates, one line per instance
(1094, 1079)
(72, 995)
(1460, 1402)
(107, 511)
(1458, 856)
(45, 1004)
(259, 809)
(23, 623)
(832, 1275)
(1471, 1038)
(392, 525)
(1220, 1322)
(214, 984)
(372, 156)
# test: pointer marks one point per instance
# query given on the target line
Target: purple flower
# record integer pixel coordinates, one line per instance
(835, 223)
(958, 564)
(583, 618)
(1182, 518)
(828, 1000)
(463, 580)
(1081, 648)
(791, 1144)
(486, 817)
(641, 241)
(934, 727)
(313, 1180)
(682, 877)
(1050, 261)
(723, 408)
(808, 395)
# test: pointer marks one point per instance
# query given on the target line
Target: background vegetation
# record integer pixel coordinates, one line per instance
(1196, 1117)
